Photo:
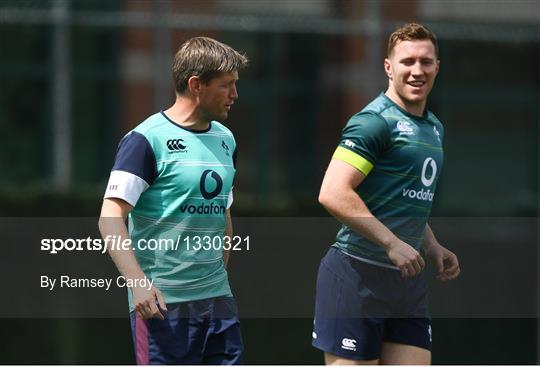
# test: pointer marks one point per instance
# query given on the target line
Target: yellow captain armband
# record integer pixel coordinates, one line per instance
(355, 160)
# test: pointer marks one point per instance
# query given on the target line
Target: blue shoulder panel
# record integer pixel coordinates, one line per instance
(136, 156)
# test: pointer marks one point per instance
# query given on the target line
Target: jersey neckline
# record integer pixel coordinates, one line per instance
(424, 117)
(185, 128)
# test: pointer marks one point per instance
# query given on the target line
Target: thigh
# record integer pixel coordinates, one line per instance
(343, 327)
(179, 339)
(224, 345)
(332, 360)
(401, 354)
(349, 339)
(413, 332)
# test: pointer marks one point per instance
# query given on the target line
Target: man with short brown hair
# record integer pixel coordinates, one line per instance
(172, 179)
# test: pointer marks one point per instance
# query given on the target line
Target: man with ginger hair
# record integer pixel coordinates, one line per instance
(371, 305)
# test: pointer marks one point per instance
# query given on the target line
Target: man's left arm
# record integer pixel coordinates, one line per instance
(229, 234)
(445, 260)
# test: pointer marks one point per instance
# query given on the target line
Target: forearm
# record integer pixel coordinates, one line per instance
(112, 226)
(339, 197)
(349, 208)
(429, 238)
(123, 258)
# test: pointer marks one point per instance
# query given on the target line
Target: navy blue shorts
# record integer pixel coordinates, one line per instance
(197, 332)
(359, 306)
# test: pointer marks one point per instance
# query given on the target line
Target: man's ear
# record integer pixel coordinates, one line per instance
(388, 68)
(194, 85)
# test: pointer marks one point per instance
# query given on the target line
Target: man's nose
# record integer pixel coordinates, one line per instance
(417, 68)
(234, 93)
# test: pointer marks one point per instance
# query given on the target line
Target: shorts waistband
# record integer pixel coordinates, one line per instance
(368, 261)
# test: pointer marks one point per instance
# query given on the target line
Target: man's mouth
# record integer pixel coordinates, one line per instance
(417, 83)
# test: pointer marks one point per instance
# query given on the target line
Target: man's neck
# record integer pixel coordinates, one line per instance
(184, 113)
(416, 109)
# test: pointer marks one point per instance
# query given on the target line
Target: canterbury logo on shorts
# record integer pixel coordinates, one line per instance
(349, 344)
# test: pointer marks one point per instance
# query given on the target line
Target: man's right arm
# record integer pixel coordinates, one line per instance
(339, 197)
(112, 223)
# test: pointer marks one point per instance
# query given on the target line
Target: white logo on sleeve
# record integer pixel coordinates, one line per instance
(349, 143)
(429, 181)
(429, 331)
(348, 344)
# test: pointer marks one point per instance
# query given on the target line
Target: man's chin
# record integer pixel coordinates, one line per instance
(220, 118)
(415, 98)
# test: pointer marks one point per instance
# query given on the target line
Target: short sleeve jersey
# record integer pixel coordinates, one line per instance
(179, 183)
(401, 156)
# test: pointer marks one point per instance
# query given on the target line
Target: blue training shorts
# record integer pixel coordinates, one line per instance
(359, 306)
(198, 332)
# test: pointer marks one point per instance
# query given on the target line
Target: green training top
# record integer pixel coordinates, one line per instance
(401, 156)
(179, 183)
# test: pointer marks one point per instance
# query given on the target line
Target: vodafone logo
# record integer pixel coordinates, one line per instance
(219, 184)
(429, 172)
(429, 163)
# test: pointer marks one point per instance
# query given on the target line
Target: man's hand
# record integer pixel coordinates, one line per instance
(146, 303)
(406, 258)
(444, 260)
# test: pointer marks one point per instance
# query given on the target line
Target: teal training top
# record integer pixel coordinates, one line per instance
(401, 156)
(179, 183)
